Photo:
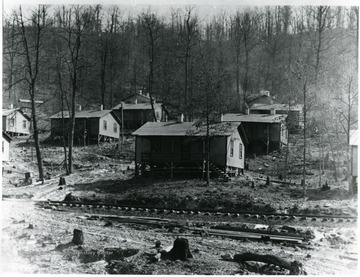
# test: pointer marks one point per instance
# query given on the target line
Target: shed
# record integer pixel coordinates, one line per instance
(265, 132)
(15, 122)
(139, 112)
(5, 147)
(89, 125)
(181, 145)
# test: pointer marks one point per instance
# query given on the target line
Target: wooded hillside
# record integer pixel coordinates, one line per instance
(104, 53)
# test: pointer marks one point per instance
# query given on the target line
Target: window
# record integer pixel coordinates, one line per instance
(115, 127)
(12, 122)
(24, 124)
(240, 150)
(231, 148)
(3, 147)
(105, 125)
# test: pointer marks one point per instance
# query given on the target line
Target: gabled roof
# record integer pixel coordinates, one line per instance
(354, 137)
(138, 94)
(6, 136)
(259, 118)
(173, 128)
(138, 106)
(281, 107)
(86, 114)
(7, 112)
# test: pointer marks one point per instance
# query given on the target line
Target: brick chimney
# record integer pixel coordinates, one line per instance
(101, 107)
(272, 111)
(180, 118)
(79, 108)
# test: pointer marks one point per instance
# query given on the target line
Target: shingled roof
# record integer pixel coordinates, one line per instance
(87, 114)
(260, 118)
(174, 128)
(8, 112)
(138, 106)
(275, 106)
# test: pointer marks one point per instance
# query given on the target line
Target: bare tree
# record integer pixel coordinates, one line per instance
(76, 21)
(32, 39)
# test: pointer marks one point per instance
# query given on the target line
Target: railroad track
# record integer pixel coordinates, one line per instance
(289, 234)
(225, 213)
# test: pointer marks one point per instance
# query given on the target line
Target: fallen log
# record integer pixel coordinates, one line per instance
(275, 181)
(294, 267)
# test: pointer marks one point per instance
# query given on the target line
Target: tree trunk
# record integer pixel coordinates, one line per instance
(36, 136)
(294, 267)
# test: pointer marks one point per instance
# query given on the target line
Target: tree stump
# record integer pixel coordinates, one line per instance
(180, 250)
(267, 181)
(78, 237)
(62, 182)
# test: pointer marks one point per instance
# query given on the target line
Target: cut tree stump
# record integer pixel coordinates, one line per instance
(62, 181)
(78, 237)
(294, 267)
(180, 251)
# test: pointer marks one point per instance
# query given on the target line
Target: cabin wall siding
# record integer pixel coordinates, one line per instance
(235, 161)
(110, 121)
(354, 161)
(5, 154)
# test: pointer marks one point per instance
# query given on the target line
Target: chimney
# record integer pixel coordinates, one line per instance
(11, 106)
(221, 118)
(247, 111)
(101, 107)
(272, 111)
(135, 101)
(140, 91)
(79, 108)
(148, 95)
(180, 118)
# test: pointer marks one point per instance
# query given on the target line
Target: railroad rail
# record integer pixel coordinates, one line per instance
(208, 212)
(290, 235)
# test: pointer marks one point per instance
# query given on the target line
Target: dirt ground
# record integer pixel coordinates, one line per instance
(31, 235)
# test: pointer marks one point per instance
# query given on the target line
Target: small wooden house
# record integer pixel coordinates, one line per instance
(354, 142)
(294, 112)
(90, 125)
(263, 98)
(265, 132)
(15, 122)
(137, 110)
(181, 145)
(5, 146)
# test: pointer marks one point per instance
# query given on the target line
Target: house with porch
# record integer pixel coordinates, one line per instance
(90, 125)
(15, 122)
(265, 132)
(178, 146)
(137, 109)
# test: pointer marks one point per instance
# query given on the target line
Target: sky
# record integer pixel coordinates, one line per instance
(9, 4)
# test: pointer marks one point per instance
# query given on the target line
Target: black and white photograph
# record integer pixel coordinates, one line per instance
(180, 137)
